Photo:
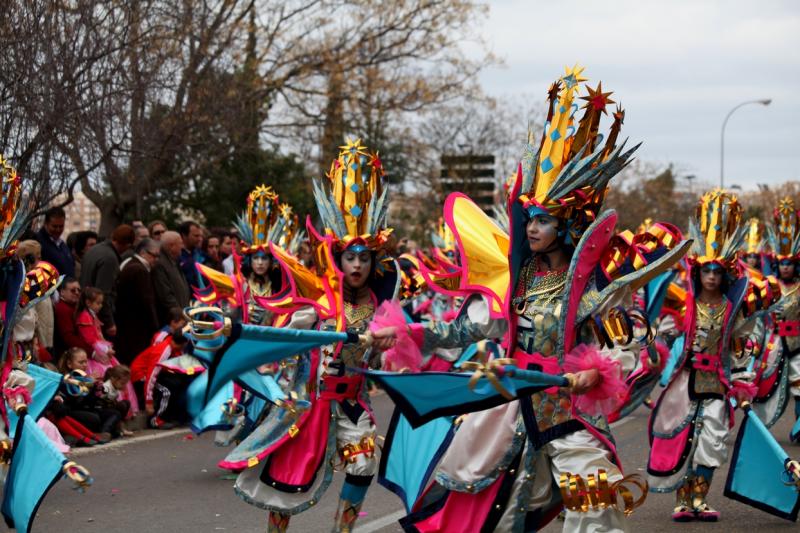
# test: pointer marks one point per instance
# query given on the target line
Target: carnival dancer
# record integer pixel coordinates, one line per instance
(564, 270)
(289, 459)
(693, 418)
(769, 362)
(785, 243)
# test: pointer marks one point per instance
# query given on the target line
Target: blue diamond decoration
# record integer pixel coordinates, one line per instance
(556, 135)
(354, 166)
(355, 211)
(717, 227)
(354, 187)
(785, 240)
(715, 245)
(260, 236)
(562, 109)
(547, 165)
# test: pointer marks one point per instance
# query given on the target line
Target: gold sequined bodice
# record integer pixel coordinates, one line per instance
(257, 314)
(708, 327)
(357, 319)
(538, 305)
(538, 308)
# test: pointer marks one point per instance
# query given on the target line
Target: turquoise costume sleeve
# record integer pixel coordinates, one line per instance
(473, 324)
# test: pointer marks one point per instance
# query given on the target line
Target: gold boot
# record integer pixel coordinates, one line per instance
(346, 516)
(702, 510)
(277, 522)
(683, 511)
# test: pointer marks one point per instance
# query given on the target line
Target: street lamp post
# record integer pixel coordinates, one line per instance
(765, 101)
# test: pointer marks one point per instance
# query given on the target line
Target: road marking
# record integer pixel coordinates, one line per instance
(380, 523)
(120, 443)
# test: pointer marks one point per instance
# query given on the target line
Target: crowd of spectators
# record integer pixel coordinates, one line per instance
(115, 318)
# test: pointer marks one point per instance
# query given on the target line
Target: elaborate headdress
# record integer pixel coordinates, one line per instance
(785, 236)
(260, 224)
(443, 238)
(755, 242)
(568, 174)
(291, 235)
(716, 229)
(354, 210)
(12, 223)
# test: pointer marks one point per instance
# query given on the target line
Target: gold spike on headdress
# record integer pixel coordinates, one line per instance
(262, 214)
(355, 207)
(754, 237)
(568, 176)
(717, 228)
(786, 238)
(290, 225)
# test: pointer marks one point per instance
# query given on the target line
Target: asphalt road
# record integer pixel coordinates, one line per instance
(169, 482)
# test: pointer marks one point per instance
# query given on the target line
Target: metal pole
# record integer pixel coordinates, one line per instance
(764, 101)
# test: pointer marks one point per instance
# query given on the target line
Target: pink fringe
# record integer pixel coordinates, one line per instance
(743, 387)
(405, 355)
(449, 315)
(609, 394)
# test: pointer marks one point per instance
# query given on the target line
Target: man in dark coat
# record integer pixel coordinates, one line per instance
(170, 285)
(100, 268)
(135, 311)
(54, 250)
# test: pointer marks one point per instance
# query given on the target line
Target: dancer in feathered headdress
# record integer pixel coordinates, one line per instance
(327, 422)
(784, 239)
(693, 417)
(545, 291)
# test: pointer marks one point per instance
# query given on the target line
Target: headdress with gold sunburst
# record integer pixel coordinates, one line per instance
(716, 229)
(260, 224)
(353, 208)
(784, 236)
(291, 235)
(568, 174)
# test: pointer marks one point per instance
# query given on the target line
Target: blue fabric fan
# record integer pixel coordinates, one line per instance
(425, 396)
(36, 465)
(758, 471)
(47, 383)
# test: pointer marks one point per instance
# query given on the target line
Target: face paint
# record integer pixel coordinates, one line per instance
(542, 231)
(260, 263)
(356, 266)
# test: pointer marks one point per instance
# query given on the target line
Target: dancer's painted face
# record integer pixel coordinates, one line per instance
(786, 270)
(261, 263)
(542, 231)
(356, 267)
(752, 260)
(711, 277)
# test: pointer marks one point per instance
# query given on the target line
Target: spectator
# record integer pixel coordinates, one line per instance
(224, 243)
(79, 243)
(136, 316)
(100, 270)
(90, 329)
(66, 330)
(169, 283)
(84, 407)
(54, 250)
(192, 239)
(306, 254)
(211, 253)
(156, 229)
(141, 234)
(227, 263)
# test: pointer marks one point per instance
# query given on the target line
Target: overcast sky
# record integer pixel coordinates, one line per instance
(678, 67)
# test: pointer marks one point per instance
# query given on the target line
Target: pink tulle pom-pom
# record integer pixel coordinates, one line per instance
(405, 355)
(749, 390)
(607, 396)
